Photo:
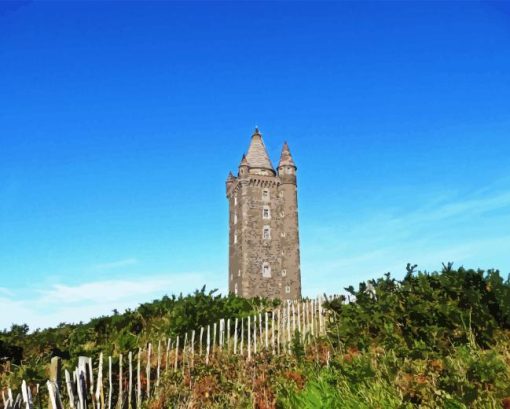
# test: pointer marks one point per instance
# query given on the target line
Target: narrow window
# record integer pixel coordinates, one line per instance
(281, 193)
(282, 214)
(287, 289)
(284, 273)
(283, 234)
(267, 233)
(239, 273)
(235, 238)
(266, 270)
(235, 289)
(265, 194)
(235, 218)
(266, 213)
(235, 200)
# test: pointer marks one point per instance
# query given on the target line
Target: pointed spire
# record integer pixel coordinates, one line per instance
(244, 161)
(286, 157)
(257, 155)
(230, 177)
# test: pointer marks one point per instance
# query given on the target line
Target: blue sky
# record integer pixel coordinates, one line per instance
(119, 122)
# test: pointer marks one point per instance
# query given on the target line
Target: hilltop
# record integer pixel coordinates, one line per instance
(439, 339)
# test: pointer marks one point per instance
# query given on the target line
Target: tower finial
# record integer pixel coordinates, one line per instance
(256, 130)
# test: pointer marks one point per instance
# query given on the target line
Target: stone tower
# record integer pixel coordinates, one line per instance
(263, 225)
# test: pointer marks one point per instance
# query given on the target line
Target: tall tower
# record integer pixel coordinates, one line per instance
(263, 225)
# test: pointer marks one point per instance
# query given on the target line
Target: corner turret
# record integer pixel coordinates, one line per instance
(286, 167)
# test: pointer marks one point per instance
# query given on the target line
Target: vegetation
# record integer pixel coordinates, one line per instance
(429, 340)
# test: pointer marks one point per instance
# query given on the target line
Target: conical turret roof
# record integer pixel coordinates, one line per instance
(244, 162)
(286, 157)
(230, 177)
(257, 156)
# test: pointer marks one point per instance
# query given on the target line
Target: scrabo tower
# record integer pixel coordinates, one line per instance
(263, 225)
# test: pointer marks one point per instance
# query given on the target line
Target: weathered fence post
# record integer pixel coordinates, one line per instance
(255, 333)
(207, 347)
(99, 386)
(56, 371)
(184, 356)
(249, 338)
(214, 338)
(288, 327)
(193, 348)
(130, 385)
(148, 370)
(120, 398)
(267, 329)
(158, 371)
(138, 379)
(235, 336)
(167, 353)
(228, 335)
(272, 331)
(242, 336)
(176, 363)
(110, 382)
(200, 339)
(70, 392)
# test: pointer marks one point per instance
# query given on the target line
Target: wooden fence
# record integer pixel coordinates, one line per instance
(134, 377)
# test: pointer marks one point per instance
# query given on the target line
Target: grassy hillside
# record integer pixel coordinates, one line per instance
(429, 340)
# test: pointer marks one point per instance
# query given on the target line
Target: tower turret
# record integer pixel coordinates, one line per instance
(244, 167)
(286, 167)
(230, 182)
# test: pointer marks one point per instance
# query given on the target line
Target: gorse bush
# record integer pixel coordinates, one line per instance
(425, 313)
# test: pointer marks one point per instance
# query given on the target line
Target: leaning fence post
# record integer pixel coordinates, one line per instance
(52, 391)
(70, 392)
(27, 397)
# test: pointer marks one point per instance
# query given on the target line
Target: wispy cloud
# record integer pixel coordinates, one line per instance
(470, 229)
(5, 291)
(43, 307)
(116, 264)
